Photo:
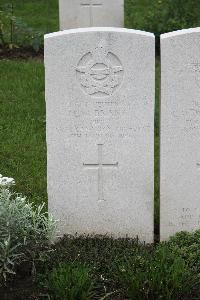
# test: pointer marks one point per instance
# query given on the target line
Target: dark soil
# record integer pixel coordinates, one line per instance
(21, 53)
(24, 290)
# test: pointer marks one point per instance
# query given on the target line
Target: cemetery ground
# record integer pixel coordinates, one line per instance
(23, 128)
(125, 268)
(77, 268)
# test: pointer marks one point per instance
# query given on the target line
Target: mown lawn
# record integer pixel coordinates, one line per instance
(22, 126)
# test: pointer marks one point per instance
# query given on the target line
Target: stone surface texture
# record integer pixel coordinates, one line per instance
(90, 13)
(180, 132)
(100, 131)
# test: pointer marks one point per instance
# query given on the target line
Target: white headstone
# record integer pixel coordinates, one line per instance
(90, 13)
(180, 132)
(100, 132)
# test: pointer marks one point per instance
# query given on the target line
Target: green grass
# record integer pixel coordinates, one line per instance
(22, 126)
(39, 14)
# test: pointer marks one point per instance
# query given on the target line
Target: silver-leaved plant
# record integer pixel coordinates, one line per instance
(26, 231)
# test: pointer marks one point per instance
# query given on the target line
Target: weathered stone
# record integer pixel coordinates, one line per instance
(100, 131)
(180, 128)
(87, 13)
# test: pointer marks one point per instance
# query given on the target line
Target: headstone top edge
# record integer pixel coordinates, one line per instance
(180, 32)
(97, 29)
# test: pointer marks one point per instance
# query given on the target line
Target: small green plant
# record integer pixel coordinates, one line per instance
(162, 275)
(187, 246)
(71, 281)
(25, 231)
(15, 33)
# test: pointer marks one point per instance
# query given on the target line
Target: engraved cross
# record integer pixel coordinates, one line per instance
(100, 166)
(91, 4)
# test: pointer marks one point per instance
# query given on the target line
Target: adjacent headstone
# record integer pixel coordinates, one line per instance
(180, 132)
(90, 13)
(100, 131)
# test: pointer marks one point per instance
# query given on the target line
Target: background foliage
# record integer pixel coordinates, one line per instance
(161, 16)
(31, 19)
